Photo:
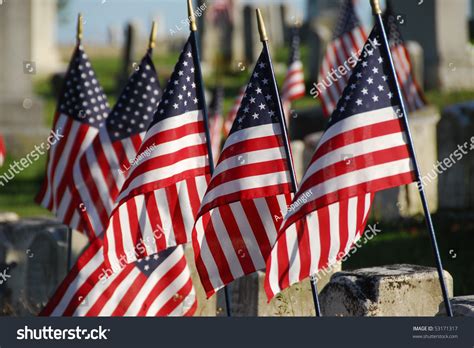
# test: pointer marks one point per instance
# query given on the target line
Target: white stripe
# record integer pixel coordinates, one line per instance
(334, 232)
(250, 157)
(170, 123)
(312, 222)
(186, 209)
(252, 133)
(245, 229)
(247, 183)
(356, 149)
(163, 173)
(293, 254)
(358, 177)
(127, 240)
(148, 231)
(165, 216)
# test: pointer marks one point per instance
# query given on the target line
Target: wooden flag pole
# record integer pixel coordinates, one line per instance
(152, 40)
(264, 40)
(197, 64)
(80, 25)
(429, 223)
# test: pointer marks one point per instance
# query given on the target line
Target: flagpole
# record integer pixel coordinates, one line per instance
(202, 96)
(264, 40)
(152, 40)
(429, 223)
(79, 34)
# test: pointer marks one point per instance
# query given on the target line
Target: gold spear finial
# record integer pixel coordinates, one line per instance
(80, 24)
(261, 26)
(152, 41)
(192, 18)
(376, 10)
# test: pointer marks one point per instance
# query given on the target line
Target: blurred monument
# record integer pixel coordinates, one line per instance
(27, 49)
(444, 37)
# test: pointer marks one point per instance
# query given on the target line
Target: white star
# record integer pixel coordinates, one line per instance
(370, 80)
(380, 60)
(262, 106)
(262, 65)
(342, 109)
(258, 90)
(359, 75)
(268, 97)
(189, 54)
(380, 88)
(180, 97)
(146, 268)
(390, 95)
(365, 91)
(193, 85)
(375, 70)
(195, 100)
(252, 100)
(176, 82)
(175, 105)
(271, 113)
(184, 87)
(348, 97)
(359, 102)
(265, 81)
(255, 116)
(384, 77)
(353, 86)
(255, 74)
(156, 257)
(185, 63)
(188, 78)
(364, 64)
(192, 70)
(180, 73)
(370, 53)
(246, 109)
(240, 119)
(375, 98)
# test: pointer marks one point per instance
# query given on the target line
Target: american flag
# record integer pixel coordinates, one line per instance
(102, 169)
(81, 111)
(159, 285)
(363, 150)
(157, 205)
(222, 10)
(293, 85)
(216, 121)
(233, 112)
(238, 219)
(348, 40)
(411, 91)
(3, 151)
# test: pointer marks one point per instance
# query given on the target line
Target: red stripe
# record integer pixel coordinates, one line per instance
(177, 300)
(175, 214)
(129, 296)
(153, 214)
(324, 236)
(172, 134)
(249, 145)
(135, 229)
(200, 264)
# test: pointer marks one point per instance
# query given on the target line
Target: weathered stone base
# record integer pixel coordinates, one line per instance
(463, 306)
(396, 290)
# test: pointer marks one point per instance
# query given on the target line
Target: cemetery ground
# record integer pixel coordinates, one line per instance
(406, 242)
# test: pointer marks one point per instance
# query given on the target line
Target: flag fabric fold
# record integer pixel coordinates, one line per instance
(81, 111)
(102, 169)
(340, 58)
(363, 150)
(241, 210)
(159, 285)
(159, 200)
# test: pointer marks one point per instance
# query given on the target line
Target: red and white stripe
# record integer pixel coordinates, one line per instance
(159, 200)
(99, 176)
(411, 91)
(87, 292)
(241, 211)
(293, 86)
(55, 194)
(337, 54)
(301, 251)
(380, 159)
(3, 151)
(233, 112)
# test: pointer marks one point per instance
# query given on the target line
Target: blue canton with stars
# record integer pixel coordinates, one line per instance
(137, 104)
(371, 85)
(83, 98)
(347, 20)
(181, 93)
(149, 264)
(258, 106)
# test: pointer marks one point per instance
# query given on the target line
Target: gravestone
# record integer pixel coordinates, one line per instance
(444, 38)
(455, 131)
(251, 35)
(395, 290)
(463, 306)
(26, 50)
(129, 53)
